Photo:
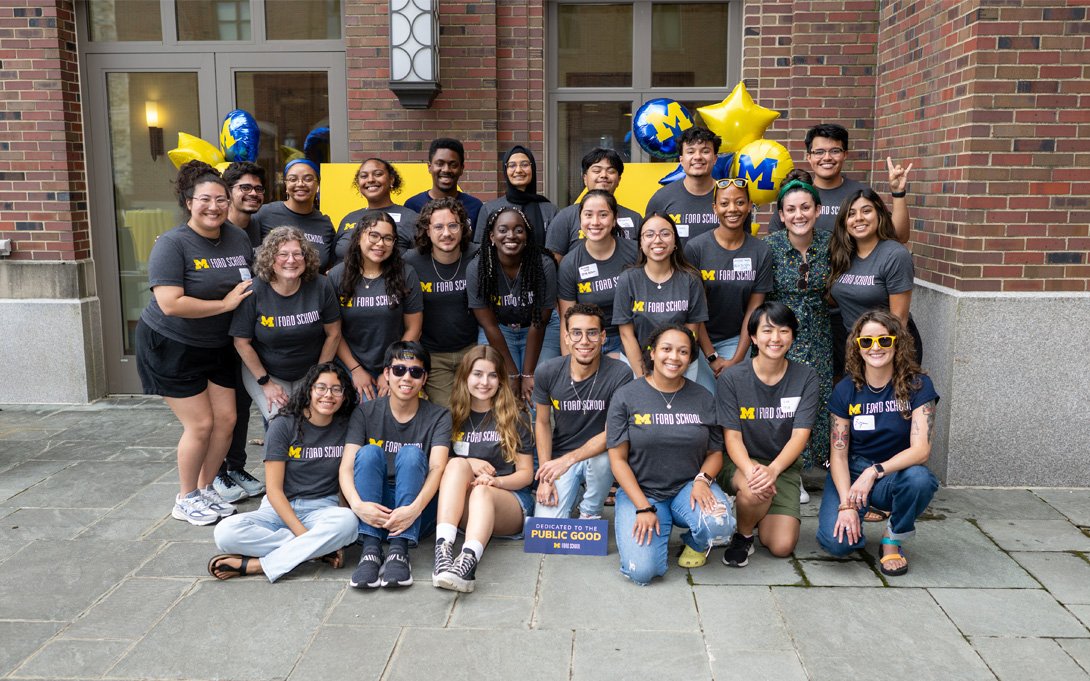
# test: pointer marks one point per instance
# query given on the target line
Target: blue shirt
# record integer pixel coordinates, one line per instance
(878, 429)
(471, 203)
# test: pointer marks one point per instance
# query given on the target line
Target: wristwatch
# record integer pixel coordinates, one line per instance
(879, 470)
(712, 357)
(703, 476)
(263, 380)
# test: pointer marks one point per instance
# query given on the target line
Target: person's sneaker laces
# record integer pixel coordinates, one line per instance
(216, 504)
(397, 571)
(193, 509)
(739, 551)
(444, 559)
(462, 575)
(367, 575)
(229, 490)
(243, 479)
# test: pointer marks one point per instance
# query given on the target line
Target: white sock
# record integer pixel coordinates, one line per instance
(447, 532)
(475, 546)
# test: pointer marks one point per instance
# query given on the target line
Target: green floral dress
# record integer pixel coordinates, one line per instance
(813, 345)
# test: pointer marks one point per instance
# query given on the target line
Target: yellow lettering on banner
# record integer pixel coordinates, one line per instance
(425, 286)
(642, 419)
(708, 275)
(854, 409)
(748, 413)
(585, 288)
(266, 321)
(377, 443)
(200, 264)
(295, 452)
(637, 306)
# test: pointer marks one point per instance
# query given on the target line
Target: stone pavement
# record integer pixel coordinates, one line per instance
(98, 582)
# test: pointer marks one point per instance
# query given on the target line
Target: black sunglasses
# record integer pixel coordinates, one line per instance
(804, 269)
(400, 369)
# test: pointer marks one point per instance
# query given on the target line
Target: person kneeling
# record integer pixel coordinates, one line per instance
(766, 406)
(300, 517)
(883, 418)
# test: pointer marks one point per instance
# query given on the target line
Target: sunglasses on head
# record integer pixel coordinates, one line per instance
(400, 369)
(865, 342)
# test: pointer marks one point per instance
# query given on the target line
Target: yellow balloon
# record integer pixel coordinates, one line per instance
(764, 163)
(191, 148)
(738, 120)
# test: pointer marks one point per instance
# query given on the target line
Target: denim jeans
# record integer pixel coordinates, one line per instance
(641, 562)
(905, 494)
(262, 533)
(372, 484)
(550, 347)
(257, 394)
(704, 374)
(516, 343)
(597, 475)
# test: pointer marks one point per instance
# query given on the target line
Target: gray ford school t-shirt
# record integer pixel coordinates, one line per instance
(579, 412)
(830, 206)
(582, 279)
(317, 227)
(693, 214)
(288, 332)
(766, 414)
(730, 278)
(564, 234)
(666, 446)
(404, 220)
(483, 440)
(313, 461)
(641, 303)
(181, 257)
(373, 424)
(507, 311)
(870, 281)
(368, 324)
(449, 325)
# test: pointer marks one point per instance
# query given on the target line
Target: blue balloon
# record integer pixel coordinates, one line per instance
(657, 125)
(316, 145)
(720, 170)
(239, 137)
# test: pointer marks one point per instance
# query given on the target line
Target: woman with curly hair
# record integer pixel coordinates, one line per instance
(375, 180)
(380, 302)
(299, 209)
(486, 485)
(301, 516)
(290, 323)
(512, 292)
(883, 420)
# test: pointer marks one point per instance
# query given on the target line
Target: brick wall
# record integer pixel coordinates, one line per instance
(43, 195)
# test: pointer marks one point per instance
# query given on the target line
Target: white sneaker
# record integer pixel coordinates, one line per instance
(215, 502)
(804, 498)
(193, 509)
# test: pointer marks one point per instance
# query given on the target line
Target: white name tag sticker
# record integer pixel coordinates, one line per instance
(683, 231)
(625, 222)
(863, 422)
(461, 448)
(245, 273)
(396, 217)
(790, 404)
(743, 265)
(588, 271)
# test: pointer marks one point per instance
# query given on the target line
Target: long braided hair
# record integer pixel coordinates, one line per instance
(393, 267)
(532, 274)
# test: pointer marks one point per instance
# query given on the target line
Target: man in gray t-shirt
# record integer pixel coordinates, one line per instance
(690, 200)
(602, 169)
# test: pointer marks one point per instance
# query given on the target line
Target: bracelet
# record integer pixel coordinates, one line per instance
(649, 509)
(355, 367)
(512, 375)
(527, 375)
(845, 507)
(899, 195)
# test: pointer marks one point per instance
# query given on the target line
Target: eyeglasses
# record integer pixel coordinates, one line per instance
(835, 152)
(322, 389)
(220, 201)
(453, 227)
(664, 234)
(247, 188)
(375, 237)
(305, 179)
(804, 270)
(525, 165)
(865, 342)
(592, 335)
(294, 255)
(739, 182)
(400, 369)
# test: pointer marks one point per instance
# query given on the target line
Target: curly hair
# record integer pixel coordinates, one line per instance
(298, 406)
(678, 261)
(505, 408)
(611, 203)
(906, 372)
(393, 267)
(266, 253)
(422, 241)
(192, 174)
(653, 340)
(842, 246)
(395, 177)
(532, 272)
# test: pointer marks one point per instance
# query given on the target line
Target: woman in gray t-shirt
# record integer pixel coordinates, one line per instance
(375, 180)
(298, 210)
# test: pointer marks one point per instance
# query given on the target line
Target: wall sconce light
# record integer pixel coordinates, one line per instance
(414, 52)
(155, 133)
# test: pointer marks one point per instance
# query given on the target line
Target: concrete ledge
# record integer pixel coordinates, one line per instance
(54, 279)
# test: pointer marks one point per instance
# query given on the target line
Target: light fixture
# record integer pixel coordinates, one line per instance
(155, 133)
(414, 52)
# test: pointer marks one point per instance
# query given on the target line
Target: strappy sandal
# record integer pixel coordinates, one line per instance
(875, 515)
(222, 572)
(335, 559)
(900, 555)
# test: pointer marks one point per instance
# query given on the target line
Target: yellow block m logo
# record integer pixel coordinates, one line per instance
(295, 452)
(266, 321)
(556, 405)
(425, 286)
(582, 234)
(348, 226)
(707, 275)
(377, 443)
(854, 409)
(675, 218)
(346, 301)
(637, 306)
(642, 419)
(200, 264)
(748, 413)
(584, 288)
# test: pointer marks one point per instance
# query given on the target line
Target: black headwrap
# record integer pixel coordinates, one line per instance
(526, 199)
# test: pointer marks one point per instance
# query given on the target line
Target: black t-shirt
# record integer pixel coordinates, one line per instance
(507, 309)
(478, 439)
(579, 409)
(564, 234)
(373, 424)
(313, 461)
(404, 220)
(641, 303)
(693, 214)
(205, 270)
(666, 445)
(582, 279)
(316, 225)
(730, 278)
(448, 323)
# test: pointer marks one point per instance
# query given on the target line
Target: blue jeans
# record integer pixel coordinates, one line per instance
(905, 494)
(372, 484)
(641, 562)
(550, 347)
(516, 344)
(704, 374)
(598, 476)
(262, 533)
(613, 344)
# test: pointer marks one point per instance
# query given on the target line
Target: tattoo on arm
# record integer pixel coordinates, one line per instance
(929, 412)
(840, 436)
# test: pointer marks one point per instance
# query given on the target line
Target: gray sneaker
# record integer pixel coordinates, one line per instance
(216, 504)
(229, 490)
(252, 485)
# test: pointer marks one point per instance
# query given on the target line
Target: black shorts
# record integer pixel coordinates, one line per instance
(172, 369)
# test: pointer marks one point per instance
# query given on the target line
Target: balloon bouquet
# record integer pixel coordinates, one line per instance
(738, 121)
(239, 138)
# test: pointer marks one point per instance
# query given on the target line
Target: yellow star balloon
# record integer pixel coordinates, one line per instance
(738, 120)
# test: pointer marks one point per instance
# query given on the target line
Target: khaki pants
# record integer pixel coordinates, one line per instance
(440, 383)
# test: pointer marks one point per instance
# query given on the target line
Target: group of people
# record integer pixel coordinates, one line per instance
(451, 365)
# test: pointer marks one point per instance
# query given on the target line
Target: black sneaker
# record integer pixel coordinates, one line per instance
(739, 551)
(396, 571)
(444, 559)
(462, 575)
(367, 572)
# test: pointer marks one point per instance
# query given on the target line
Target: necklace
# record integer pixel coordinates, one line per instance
(669, 402)
(368, 281)
(879, 391)
(475, 428)
(582, 403)
(436, 268)
(659, 284)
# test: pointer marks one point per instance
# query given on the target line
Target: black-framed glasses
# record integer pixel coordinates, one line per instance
(864, 342)
(322, 389)
(400, 369)
(835, 152)
(804, 270)
(247, 188)
(375, 237)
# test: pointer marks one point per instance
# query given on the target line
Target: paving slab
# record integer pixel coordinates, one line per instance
(50, 580)
(81, 450)
(808, 547)
(475, 611)
(150, 503)
(839, 573)
(74, 659)
(180, 559)
(92, 484)
(627, 655)
(828, 624)
(991, 504)
(505, 570)
(122, 425)
(25, 475)
(1078, 649)
(759, 665)
(127, 529)
(1073, 503)
(23, 639)
(763, 568)
(1035, 535)
(30, 434)
(172, 529)
(420, 605)
(1016, 659)
(326, 658)
(481, 654)
(206, 640)
(9, 548)
(142, 453)
(167, 436)
(1007, 612)
(719, 608)
(14, 453)
(130, 610)
(1083, 613)
(48, 523)
(1065, 575)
